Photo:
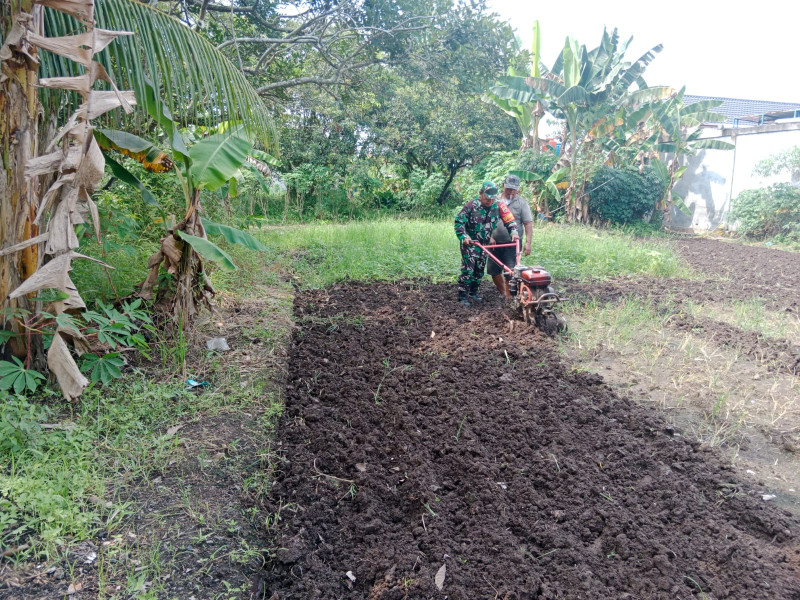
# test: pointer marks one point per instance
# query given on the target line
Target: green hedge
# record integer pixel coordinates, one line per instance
(623, 195)
(767, 212)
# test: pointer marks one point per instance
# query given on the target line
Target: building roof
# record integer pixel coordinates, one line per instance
(747, 113)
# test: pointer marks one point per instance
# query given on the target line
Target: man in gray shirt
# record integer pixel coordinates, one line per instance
(522, 214)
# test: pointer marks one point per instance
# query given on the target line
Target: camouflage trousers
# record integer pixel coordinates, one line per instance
(473, 262)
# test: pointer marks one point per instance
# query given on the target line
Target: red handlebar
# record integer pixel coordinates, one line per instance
(485, 248)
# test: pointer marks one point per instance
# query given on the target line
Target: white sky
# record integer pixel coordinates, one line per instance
(742, 50)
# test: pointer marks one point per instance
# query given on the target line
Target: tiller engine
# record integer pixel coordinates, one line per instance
(533, 298)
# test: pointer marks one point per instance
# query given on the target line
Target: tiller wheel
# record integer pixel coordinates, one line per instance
(535, 299)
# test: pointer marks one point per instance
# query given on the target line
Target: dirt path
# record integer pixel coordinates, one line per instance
(420, 435)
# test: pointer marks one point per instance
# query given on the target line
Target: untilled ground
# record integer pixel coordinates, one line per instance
(432, 451)
(193, 526)
(720, 357)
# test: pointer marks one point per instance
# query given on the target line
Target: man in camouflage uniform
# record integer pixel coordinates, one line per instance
(476, 222)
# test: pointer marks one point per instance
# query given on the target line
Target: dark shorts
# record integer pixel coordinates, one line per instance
(507, 255)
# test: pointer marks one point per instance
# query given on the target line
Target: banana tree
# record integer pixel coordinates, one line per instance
(679, 136)
(527, 114)
(581, 87)
(548, 188)
(51, 192)
(208, 163)
(197, 79)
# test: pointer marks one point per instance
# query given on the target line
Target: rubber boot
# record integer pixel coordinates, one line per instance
(473, 293)
(462, 298)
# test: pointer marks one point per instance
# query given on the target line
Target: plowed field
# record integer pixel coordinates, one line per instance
(429, 450)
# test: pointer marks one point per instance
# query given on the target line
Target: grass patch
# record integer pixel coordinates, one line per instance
(613, 326)
(712, 391)
(129, 264)
(63, 485)
(318, 255)
(750, 315)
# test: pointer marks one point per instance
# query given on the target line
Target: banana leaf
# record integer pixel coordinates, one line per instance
(150, 156)
(714, 145)
(678, 202)
(233, 235)
(265, 158)
(130, 179)
(216, 159)
(162, 115)
(661, 170)
(209, 251)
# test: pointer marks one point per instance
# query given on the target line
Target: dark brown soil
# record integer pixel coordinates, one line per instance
(775, 270)
(732, 271)
(420, 434)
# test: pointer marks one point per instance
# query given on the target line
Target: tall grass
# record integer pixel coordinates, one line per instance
(318, 255)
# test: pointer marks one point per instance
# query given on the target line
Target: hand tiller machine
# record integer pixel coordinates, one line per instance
(533, 296)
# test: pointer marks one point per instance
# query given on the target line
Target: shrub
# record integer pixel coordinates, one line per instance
(768, 211)
(494, 168)
(624, 195)
(425, 189)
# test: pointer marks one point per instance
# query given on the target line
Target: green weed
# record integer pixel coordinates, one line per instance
(318, 255)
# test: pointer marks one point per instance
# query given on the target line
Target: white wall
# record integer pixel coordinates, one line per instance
(751, 149)
(714, 177)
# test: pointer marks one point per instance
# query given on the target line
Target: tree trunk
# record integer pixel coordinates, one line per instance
(536, 118)
(573, 209)
(450, 177)
(19, 106)
(529, 143)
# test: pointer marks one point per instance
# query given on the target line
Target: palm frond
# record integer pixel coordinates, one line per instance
(198, 83)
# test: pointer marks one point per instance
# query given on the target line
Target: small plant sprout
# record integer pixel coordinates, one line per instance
(555, 460)
(460, 425)
(388, 371)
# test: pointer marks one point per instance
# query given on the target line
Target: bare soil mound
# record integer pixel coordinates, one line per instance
(422, 437)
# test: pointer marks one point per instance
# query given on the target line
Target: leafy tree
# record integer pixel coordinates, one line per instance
(328, 45)
(583, 87)
(787, 162)
(436, 130)
(772, 211)
(766, 212)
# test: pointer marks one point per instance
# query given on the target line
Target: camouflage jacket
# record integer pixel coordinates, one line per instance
(478, 222)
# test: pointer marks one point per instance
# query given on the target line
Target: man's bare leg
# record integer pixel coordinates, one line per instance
(500, 284)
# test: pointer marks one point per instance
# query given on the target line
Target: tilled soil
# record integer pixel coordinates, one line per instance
(421, 437)
(776, 270)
